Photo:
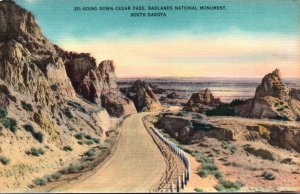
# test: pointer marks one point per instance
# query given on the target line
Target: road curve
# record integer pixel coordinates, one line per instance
(137, 165)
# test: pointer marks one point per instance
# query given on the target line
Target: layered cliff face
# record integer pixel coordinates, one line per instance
(26, 55)
(39, 105)
(98, 84)
(143, 97)
(272, 100)
(28, 60)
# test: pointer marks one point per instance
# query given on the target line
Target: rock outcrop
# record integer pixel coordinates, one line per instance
(98, 84)
(272, 100)
(204, 97)
(143, 96)
(28, 61)
(295, 93)
(272, 85)
(34, 66)
(201, 101)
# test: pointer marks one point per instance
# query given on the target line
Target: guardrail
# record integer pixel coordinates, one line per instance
(182, 180)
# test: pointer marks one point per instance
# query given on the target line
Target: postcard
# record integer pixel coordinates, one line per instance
(135, 96)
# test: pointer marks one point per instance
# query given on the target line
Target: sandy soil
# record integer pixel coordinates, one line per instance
(136, 166)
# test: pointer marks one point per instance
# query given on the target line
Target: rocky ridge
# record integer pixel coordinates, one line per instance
(272, 100)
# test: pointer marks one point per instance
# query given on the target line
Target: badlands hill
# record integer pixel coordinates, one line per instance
(54, 104)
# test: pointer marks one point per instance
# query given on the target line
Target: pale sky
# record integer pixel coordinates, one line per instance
(249, 39)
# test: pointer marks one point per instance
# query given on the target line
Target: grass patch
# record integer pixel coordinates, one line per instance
(56, 175)
(26, 106)
(280, 109)
(29, 128)
(87, 137)
(79, 136)
(225, 185)
(198, 190)
(40, 181)
(200, 126)
(68, 148)
(237, 102)
(3, 113)
(233, 149)
(68, 113)
(10, 124)
(268, 175)
(181, 113)
(39, 136)
(71, 169)
(222, 110)
(95, 140)
(35, 152)
(208, 166)
(281, 118)
(4, 160)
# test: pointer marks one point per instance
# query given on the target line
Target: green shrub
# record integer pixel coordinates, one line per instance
(182, 113)
(40, 181)
(74, 168)
(90, 158)
(97, 141)
(280, 109)
(90, 153)
(3, 113)
(4, 160)
(203, 173)
(77, 106)
(282, 118)
(200, 126)
(87, 137)
(10, 124)
(26, 106)
(56, 175)
(67, 148)
(222, 110)
(80, 142)
(68, 113)
(29, 128)
(237, 102)
(196, 116)
(233, 149)
(208, 166)
(89, 142)
(218, 174)
(39, 136)
(198, 190)
(268, 175)
(35, 152)
(225, 185)
(79, 136)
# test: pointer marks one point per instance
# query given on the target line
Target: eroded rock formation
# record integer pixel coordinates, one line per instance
(201, 101)
(143, 96)
(272, 100)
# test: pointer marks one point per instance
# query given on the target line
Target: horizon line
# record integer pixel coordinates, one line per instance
(229, 77)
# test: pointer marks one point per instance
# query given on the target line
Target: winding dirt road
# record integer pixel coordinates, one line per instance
(137, 165)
